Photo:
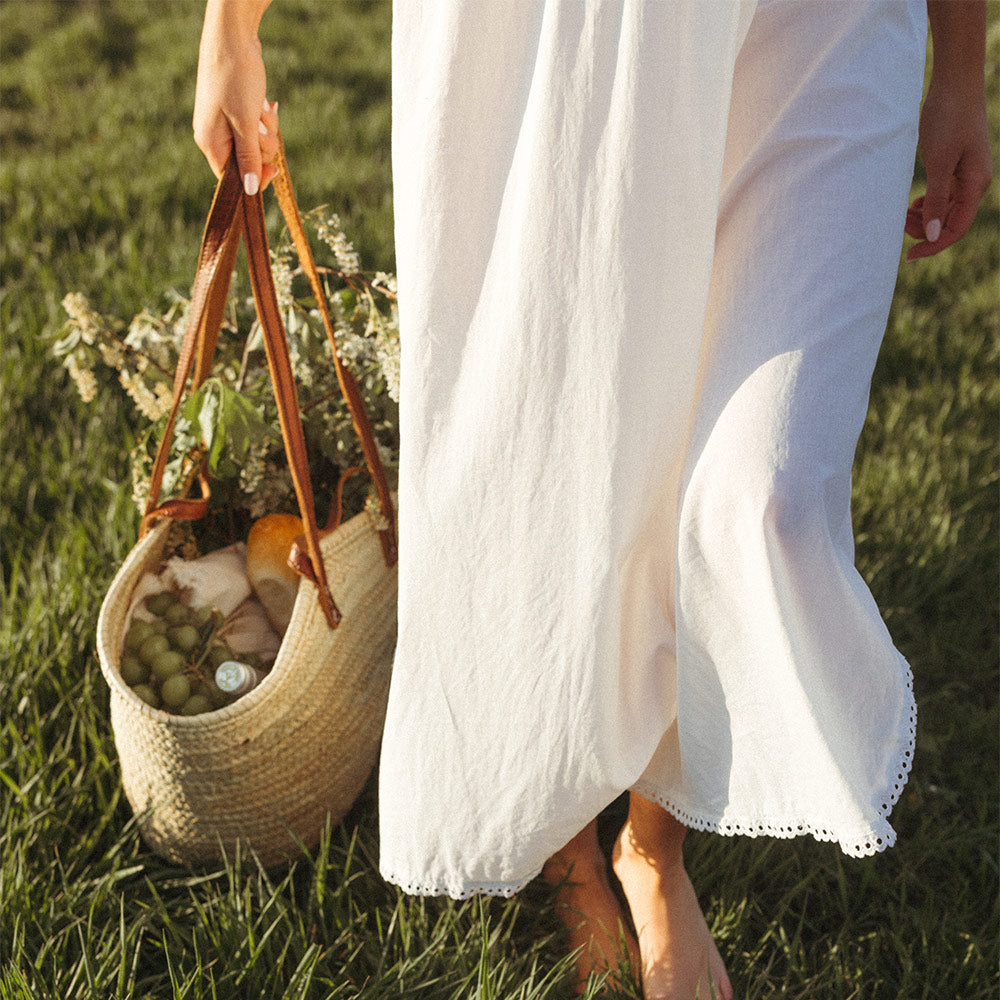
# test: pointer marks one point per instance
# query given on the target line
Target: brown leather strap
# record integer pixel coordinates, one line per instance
(215, 307)
(211, 286)
(285, 395)
(348, 384)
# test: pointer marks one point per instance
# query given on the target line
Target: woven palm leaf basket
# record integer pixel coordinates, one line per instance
(272, 768)
(269, 768)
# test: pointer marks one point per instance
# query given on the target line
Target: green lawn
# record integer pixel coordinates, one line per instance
(103, 191)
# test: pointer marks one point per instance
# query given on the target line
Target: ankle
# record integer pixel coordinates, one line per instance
(580, 861)
(574, 870)
(640, 851)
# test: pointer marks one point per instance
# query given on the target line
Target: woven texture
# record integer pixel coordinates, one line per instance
(270, 768)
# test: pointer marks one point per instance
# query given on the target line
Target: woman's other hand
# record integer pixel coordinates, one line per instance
(954, 135)
(230, 105)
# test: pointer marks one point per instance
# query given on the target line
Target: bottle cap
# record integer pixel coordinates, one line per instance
(234, 677)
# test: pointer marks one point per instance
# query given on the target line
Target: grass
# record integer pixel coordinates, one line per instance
(102, 190)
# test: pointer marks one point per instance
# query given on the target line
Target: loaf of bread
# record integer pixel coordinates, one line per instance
(273, 580)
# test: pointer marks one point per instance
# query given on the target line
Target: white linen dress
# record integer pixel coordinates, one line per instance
(645, 254)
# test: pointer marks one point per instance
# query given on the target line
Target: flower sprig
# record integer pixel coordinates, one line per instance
(231, 421)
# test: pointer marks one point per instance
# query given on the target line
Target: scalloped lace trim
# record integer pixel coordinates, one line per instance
(855, 843)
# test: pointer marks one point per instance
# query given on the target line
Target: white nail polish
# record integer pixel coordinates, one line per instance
(267, 107)
(250, 183)
(933, 230)
(262, 128)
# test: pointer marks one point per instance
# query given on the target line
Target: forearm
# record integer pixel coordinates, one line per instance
(954, 133)
(230, 107)
(235, 15)
(958, 34)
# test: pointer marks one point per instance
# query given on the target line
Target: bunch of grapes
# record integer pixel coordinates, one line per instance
(170, 662)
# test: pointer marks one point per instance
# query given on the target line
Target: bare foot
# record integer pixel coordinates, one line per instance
(679, 959)
(598, 933)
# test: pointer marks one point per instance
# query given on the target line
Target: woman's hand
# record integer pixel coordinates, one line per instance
(954, 145)
(230, 105)
(954, 135)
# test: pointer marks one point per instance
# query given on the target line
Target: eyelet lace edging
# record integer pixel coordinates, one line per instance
(458, 890)
(855, 843)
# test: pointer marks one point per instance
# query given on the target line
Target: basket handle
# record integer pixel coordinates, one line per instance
(216, 259)
(348, 384)
(231, 214)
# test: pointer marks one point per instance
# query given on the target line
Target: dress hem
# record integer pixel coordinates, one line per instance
(461, 890)
(858, 843)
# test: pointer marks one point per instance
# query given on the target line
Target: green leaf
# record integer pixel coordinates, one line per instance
(228, 423)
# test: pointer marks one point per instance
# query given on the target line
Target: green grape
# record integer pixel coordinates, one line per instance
(137, 633)
(177, 614)
(202, 615)
(175, 691)
(152, 648)
(133, 670)
(197, 704)
(147, 694)
(183, 637)
(218, 655)
(167, 664)
(159, 626)
(216, 695)
(159, 603)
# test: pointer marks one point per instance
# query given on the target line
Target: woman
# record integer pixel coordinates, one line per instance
(645, 256)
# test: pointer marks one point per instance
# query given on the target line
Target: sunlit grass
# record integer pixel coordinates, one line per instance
(102, 190)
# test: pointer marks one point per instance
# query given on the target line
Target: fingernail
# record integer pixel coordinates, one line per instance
(267, 107)
(933, 230)
(251, 183)
(274, 107)
(262, 128)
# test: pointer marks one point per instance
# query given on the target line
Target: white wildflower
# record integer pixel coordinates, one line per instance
(112, 353)
(83, 377)
(303, 371)
(164, 398)
(82, 316)
(329, 230)
(387, 355)
(281, 269)
(351, 347)
(177, 316)
(152, 405)
(386, 281)
(151, 337)
(273, 490)
(252, 473)
(140, 487)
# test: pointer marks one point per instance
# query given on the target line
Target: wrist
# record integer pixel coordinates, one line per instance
(957, 84)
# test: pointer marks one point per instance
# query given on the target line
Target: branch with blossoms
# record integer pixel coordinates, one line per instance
(231, 421)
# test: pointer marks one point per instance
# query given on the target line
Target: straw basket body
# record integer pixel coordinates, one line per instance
(271, 767)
